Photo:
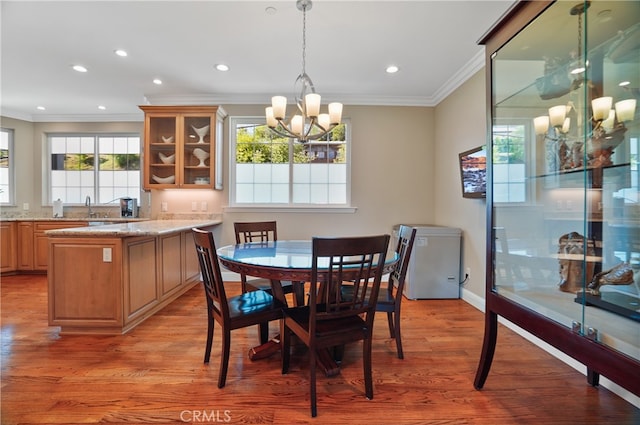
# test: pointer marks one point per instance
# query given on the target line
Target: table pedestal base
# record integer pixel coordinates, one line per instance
(325, 360)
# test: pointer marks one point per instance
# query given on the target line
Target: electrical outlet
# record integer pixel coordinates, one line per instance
(194, 206)
(25, 206)
(164, 207)
(106, 255)
(203, 205)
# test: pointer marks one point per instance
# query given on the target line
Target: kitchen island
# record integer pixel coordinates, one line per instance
(108, 279)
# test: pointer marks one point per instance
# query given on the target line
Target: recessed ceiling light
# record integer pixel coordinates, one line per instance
(102, 107)
(222, 67)
(157, 81)
(120, 52)
(40, 108)
(392, 69)
(271, 10)
(79, 68)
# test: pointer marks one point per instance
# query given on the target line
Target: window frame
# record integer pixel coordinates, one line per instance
(529, 147)
(234, 121)
(96, 136)
(12, 168)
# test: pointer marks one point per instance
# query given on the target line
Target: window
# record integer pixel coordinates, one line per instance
(268, 170)
(102, 166)
(509, 163)
(7, 191)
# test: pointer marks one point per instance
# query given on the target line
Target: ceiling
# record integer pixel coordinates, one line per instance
(349, 45)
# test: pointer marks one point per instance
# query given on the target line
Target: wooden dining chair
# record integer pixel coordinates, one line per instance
(262, 231)
(328, 320)
(390, 298)
(247, 309)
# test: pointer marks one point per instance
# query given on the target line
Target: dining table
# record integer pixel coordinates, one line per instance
(284, 260)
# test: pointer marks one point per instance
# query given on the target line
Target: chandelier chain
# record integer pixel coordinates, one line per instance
(304, 38)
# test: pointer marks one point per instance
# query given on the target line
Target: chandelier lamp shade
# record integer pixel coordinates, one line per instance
(308, 123)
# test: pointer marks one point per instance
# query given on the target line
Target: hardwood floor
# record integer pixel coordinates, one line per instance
(155, 373)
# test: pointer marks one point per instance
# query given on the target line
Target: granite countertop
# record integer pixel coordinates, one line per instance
(140, 228)
(87, 219)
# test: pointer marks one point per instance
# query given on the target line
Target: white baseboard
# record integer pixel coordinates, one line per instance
(479, 303)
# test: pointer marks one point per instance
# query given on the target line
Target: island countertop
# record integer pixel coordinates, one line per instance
(140, 228)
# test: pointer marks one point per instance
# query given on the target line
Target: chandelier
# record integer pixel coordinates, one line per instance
(308, 123)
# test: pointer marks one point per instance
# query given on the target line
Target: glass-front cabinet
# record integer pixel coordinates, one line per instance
(563, 211)
(180, 146)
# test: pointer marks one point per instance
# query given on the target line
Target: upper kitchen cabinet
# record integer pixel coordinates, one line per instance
(182, 147)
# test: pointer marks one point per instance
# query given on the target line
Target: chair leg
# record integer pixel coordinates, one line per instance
(207, 350)
(263, 328)
(224, 358)
(312, 382)
(396, 317)
(392, 332)
(285, 347)
(368, 374)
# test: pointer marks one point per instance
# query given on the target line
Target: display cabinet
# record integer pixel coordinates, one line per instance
(563, 218)
(180, 147)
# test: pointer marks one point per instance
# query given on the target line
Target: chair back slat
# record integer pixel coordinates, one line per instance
(255, 231)
(357, 261)
(210, 272)
(404, 247)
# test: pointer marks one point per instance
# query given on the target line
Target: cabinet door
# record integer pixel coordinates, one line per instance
(197, 152)
(8, 251)
(25, 245)
(161, 153)
(41, 240)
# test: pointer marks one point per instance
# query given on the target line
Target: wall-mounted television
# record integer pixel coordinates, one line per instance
(473, 172)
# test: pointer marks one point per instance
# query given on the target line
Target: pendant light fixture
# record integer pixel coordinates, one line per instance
(308, 123)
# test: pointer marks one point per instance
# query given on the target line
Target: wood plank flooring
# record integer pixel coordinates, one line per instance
(155, 373)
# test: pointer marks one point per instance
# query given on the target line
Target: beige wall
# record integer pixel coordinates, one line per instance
(404, 170)
(461, 125)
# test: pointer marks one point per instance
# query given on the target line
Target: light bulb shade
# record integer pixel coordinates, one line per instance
(541, 124)
(297, 125)
(271, 120)
(557, 115)
(324, 121)
(279, 105)
(601, 107)
(312, 104)
(625, 110)
(566, 125)
(608, 123)
(335, 113)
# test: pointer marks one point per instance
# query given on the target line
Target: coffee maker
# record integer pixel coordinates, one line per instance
(128, 207)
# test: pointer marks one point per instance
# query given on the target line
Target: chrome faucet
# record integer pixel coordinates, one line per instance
(87, 203)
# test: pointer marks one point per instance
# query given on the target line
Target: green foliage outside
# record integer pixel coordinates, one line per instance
(509, 149)
(117, 162)
(258, 145)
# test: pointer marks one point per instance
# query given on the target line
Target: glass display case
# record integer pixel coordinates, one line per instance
(563, 218)
(180, 147)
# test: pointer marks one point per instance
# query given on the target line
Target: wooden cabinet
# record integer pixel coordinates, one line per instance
(131, 278)
(24, 245)
(41, 240)
(180, 147)
(563, 248)
(8, 252)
